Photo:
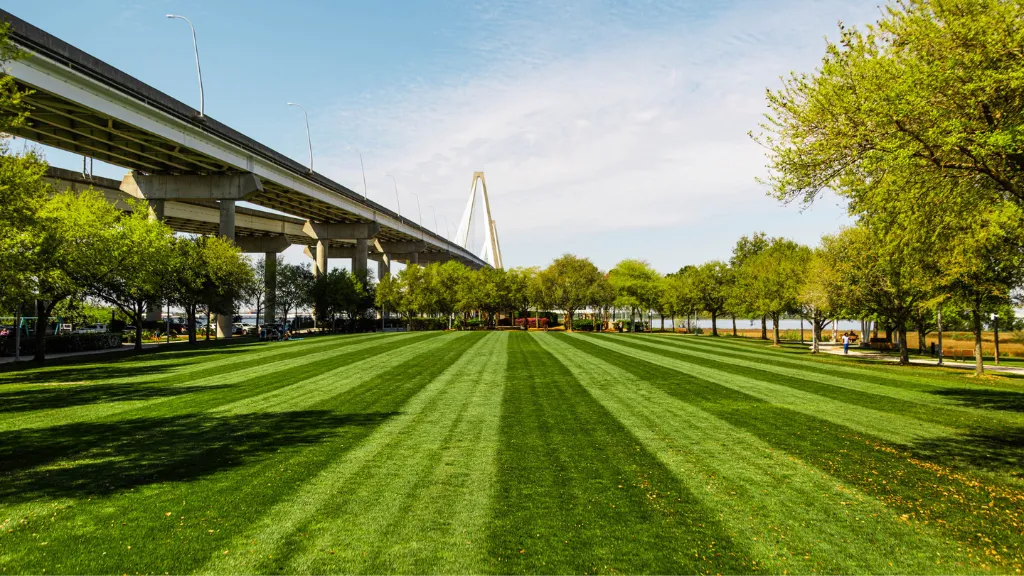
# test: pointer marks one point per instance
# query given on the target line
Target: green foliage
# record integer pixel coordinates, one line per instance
(338, 294)
(768, 282)
(568, 284)
(637, 286)
(294, 283)
(935, 85)
(712, 283)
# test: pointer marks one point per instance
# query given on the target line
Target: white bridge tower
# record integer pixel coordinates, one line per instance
(491, 252)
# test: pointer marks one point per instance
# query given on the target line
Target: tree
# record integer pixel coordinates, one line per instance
(636, 285)
(883, 270)
(772, 280)
(294, 283)
(188, 279)
(255, 292)
(602, 296)
(568, 284)
(984, 265)
(22, 194)
(740, 299)
(75, 246)
(336, 293)
(711, 283)
(445, 280)
(933, 86)
(820, 296)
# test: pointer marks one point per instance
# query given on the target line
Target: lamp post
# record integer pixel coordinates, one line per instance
(199, 71)
(995, 327)
(420, 210)
(938, 318)
(447, 229)
(309, 142)
(397, 199)
(361, 168)
(435, 219)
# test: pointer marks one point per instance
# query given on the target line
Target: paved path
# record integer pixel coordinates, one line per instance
(947, 363)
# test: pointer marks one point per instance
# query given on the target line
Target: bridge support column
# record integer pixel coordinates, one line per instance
(359, 257)
(414, 258)
(321, 259)
(227, 219)
(382, 269)
(270, 247)
(156, 209)
(360, 233)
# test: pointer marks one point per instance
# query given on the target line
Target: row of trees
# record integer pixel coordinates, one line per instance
(914, 121)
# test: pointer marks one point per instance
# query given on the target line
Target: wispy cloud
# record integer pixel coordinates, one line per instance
(593, 121)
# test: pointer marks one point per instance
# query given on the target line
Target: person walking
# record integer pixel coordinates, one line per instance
(846, 343)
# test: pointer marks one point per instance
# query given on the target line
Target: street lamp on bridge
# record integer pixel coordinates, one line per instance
(199, 71)
(397, 199)
(309, 142)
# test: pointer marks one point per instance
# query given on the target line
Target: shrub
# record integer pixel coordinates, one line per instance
(422, 324)
(583, 324)
(471, 324)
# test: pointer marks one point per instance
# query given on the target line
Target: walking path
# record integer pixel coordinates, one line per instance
(946, 363)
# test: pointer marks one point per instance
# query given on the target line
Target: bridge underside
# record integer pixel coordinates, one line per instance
(72, 127)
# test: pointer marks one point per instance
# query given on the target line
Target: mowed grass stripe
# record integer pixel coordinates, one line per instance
(221, 472)
(882, 424)
(94, 402)
(334, 377)
(409, 497)
(577, 493)
(978, 516)
(886, 375)
(813, 369)
(819, 526)
(921, 406)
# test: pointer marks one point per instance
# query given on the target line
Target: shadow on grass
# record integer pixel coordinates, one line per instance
(985, 398)
(11, 372)
(87, 459)
(999, 451)
(51, 398)
(85, 373)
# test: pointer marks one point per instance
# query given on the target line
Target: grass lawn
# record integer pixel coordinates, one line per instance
(508, 453)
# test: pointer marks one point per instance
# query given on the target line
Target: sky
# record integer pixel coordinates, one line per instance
(609, 130)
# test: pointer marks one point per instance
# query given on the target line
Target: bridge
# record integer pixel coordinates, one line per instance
(185, 164)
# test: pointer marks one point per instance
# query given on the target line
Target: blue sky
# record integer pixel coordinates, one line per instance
(606, 129)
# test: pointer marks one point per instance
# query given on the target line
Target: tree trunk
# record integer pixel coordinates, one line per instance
(775, 330)
(137, 311)
(814, 334)
(979, 363)
(921, 336)
(714, 323)
(764, 328)
(734, 326)
(207, 323)
(42, 319)
(904, 352)
(190, 312)
(257, 315)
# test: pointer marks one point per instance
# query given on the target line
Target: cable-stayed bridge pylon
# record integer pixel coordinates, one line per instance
(491, 251)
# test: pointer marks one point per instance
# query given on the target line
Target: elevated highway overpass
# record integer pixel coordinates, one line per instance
(187, 165)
